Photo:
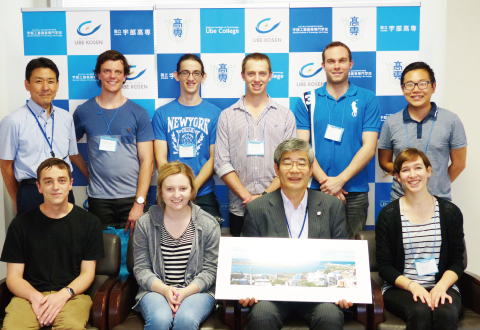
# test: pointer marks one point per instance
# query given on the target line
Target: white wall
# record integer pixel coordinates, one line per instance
(461, 86)
(453, 58)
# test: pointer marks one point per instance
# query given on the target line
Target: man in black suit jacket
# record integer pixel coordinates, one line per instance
(296, 212)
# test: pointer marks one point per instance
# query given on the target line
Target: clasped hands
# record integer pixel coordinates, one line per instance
(46, 308)
(437, 294)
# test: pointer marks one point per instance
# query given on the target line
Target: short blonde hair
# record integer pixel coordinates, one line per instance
(175, 167)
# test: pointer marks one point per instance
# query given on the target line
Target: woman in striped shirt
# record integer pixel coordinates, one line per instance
(420, 248)
(175, 253)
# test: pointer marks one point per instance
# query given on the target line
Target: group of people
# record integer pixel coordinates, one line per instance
(298, 174)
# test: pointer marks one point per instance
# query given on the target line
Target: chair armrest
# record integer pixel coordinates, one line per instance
(5, 297)
(470, 290)
(100, 303)
(227, 312)
(241, 315)
(122, 299)
(361, 314)
(377, 309)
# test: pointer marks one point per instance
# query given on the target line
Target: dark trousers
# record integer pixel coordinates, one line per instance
(418, 315)
(111, 212)
(29, 198)
(209, 204)
(356, 211)
(269, 315)
(236, 224)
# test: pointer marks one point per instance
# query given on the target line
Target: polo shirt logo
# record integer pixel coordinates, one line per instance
(354, 108)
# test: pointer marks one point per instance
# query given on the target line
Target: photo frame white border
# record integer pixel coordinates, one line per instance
(296, 247)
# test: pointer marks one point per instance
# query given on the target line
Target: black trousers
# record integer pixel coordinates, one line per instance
(418, 315)
(112, 212)
(29, 198)
(236, 224)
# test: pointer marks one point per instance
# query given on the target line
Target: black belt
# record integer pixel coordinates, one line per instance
(28, 181)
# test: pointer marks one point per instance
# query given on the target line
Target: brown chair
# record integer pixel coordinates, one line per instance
(122, 298)
(106, 275)
(381, 319)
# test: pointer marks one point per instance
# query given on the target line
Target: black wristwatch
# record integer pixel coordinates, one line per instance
(70, 290)
(264, 193)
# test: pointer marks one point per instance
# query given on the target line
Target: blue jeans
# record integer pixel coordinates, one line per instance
(192, 312)
(356, 212)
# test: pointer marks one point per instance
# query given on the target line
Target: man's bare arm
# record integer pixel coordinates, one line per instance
(11, 183)
(318, 173)
(80, 164)
(459, 162)
(385, 160)
(145, 156)
(207, 169)
(161, 152)
(235, 185)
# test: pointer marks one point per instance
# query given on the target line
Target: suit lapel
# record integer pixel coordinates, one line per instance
(316, 221)
(277, 215)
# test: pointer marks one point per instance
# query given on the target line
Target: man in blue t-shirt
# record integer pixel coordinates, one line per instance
(185, 130)
(120, 147)
(342, 121)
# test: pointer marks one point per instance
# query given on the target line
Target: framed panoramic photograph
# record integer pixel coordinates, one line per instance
(284, 269)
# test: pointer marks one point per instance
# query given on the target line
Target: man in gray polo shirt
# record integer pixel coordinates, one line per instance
(422, 125)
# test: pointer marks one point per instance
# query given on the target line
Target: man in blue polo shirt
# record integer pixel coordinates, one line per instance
(119, 144)
(186, 129)
(342, 121)
(35, 132)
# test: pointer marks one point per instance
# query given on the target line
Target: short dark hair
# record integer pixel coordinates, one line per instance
(409, 155)
(256, 57)
(111, 55)
(336, 44)
(192, 57)
(41, 62)
(418, 66)
(293, 144)
(51, 162)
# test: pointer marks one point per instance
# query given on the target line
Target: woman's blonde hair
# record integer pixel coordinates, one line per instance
(171, 168)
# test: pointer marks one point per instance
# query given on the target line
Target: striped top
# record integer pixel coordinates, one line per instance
(236, 126)
(175, 255)
(423, 243)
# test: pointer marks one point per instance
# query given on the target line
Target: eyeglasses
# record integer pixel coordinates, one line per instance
(410, 86)
(186, 74)
(301, 164)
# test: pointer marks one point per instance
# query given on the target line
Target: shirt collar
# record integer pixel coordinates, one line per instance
(432, 113)
(240, 105)
(352, 90)
(303, 203)
(38, 110)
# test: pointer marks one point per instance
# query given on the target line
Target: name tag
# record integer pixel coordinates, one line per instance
(186, 151)
(255, 148)
(334, 133)
(108, 144)
(426, 266)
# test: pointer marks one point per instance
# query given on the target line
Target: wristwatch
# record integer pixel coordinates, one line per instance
(70, 290)
(140, 200)
(264, 193)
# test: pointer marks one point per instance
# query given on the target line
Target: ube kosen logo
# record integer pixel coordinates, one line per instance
(308, 71)
(85, 29)
(384, 203)
(354, 27)
(177, 29)
(394, 70)
(222, 74)
(264, 26)
(132, 72)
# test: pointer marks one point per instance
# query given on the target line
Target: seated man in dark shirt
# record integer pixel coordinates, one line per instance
(51, 253)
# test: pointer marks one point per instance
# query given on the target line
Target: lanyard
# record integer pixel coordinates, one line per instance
(435, 225)
(303, 225)
(108, 124)
(45, 134)
(248, 123)
(429, 135)
(329, 112)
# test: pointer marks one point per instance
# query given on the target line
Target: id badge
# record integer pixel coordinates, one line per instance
(186, 151)
(255, 148)
(426, 266)
(334, 133)
(108, 144)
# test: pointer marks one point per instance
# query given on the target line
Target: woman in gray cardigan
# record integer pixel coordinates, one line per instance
(176, 254)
